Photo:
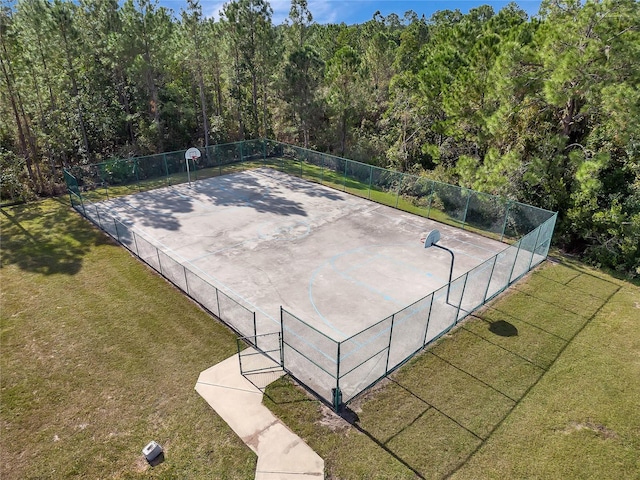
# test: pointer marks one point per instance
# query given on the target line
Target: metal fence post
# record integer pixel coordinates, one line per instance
(337, 395)
(506, 215)
(426, 330)
(433, 191)
(281, 337)
(466, 209)
(98, 215)
(166, 168)
(255, 330)
(135, 242)
(344, 179)
(239, 355)
(464, 286)
(386, 367)
(370, 180)
(535, 247)
(186, 280)
(399, 188)
(159, 262)
(486, 291)
(515, 260)
(135, 167)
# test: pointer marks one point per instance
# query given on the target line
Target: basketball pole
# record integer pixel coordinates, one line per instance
(432, 240)
(188, 172)
(450, 270)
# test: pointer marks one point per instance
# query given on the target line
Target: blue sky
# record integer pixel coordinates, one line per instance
(358, 11)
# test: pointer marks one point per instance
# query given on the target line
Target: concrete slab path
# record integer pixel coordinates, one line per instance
(282, 455)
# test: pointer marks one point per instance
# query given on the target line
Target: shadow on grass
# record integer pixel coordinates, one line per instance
(436, 412)
(46, 237)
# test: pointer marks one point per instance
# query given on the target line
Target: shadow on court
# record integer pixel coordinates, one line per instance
(228, 192)
(434, 413)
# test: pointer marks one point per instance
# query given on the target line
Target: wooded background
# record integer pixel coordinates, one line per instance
(542, 110)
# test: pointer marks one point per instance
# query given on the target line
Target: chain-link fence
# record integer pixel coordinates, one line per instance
(336, 371)
(186, 277)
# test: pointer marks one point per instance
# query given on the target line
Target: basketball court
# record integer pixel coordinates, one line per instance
(339, 262)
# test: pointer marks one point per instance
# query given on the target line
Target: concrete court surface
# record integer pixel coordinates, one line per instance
(337, 261)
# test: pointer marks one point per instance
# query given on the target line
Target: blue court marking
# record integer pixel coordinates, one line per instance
(415, 311)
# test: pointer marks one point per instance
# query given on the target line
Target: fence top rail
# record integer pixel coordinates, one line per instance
(504, 200)
(131, 159)
(307, 325)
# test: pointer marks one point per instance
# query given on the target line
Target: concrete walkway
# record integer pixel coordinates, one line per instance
(282, 455)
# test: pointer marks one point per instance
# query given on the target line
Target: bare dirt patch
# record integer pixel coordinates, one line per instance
(598, 428)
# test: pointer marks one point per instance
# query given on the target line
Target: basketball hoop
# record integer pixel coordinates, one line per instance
(193, 153)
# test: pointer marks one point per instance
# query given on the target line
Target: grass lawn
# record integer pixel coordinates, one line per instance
(544, 382)
(98, 356)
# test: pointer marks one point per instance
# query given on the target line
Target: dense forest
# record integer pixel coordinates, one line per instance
(544, 110)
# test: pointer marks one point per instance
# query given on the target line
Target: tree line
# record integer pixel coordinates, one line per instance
(543, 110)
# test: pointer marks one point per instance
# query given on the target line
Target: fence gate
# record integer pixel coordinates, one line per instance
(261, 362)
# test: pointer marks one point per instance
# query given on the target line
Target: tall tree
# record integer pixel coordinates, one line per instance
(342, 74)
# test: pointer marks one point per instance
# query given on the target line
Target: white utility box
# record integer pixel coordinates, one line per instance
(151, 451)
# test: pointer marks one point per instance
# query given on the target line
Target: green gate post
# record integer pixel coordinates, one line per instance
(337, 394)
(281, 337)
